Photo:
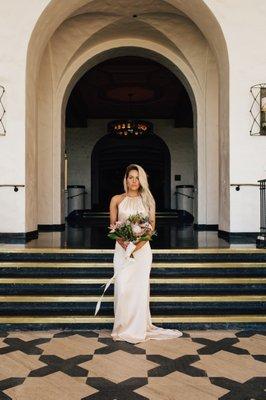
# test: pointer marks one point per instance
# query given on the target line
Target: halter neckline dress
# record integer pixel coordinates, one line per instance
(132, 321)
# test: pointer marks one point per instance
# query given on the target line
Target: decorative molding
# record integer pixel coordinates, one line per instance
(205, 227)
(238, 237)
(18, 237)
(51, 227)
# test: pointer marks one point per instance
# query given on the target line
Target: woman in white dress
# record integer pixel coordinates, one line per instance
(131, 286)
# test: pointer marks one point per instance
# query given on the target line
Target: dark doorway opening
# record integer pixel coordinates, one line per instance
(110, 157)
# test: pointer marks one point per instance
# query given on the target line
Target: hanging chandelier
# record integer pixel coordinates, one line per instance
(129, 128)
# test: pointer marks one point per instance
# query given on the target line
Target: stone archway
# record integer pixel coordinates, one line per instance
(103, 52)
(209, 26)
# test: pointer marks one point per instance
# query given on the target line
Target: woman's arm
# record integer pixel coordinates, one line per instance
(113, 217)
(113, 210)
(152, 217)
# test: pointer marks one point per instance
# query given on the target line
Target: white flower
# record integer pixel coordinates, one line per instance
(136, 229)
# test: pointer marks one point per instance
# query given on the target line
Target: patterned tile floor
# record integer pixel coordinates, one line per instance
(74, 365)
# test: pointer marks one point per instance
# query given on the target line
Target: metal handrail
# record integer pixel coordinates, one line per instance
(12, 185)
(244, 184)
(238, 185)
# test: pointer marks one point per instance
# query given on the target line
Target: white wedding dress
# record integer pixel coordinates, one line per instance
(132, 288)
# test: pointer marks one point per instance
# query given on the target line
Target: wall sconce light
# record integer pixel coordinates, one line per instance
(258, 110)
(2, 112)
(263, 109)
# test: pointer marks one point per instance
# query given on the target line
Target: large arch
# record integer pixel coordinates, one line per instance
(118, 48)
(50, 20)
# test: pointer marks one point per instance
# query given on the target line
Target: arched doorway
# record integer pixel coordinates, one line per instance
(110, 158)
(89, 52)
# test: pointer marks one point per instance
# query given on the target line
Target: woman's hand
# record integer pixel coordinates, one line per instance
(139, 245)
(123, 243)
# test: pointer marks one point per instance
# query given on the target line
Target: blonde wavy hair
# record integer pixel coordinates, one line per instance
(144, 191)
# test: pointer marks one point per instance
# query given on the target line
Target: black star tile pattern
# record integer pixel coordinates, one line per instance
(248, 334)
(112, 346)
(9, 383)
(86, 334)
(77, 367)
(225, 344)
(108, 390)
(69, 366)
(260, 357)
(252, 389)
(27, 347)
(181, 364)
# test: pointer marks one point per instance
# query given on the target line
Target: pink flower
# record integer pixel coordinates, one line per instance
(115, 226)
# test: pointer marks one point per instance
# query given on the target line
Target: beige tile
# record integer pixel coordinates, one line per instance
(255, 344)
(27, 336)
(213, 334)
(232, 366)
(52, 387)
(18, 364)
(178, 386)
(71, 346)
(118, 366)
(171, 348)
(104, 333)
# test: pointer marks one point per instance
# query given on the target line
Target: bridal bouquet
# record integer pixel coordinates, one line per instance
(133, 230)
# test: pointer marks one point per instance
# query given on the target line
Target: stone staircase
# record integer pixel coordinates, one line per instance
(189, 289)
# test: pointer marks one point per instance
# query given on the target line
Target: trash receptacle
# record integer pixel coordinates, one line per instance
(184, 202)
(76, 198)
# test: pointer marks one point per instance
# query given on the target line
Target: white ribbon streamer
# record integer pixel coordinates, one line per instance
(129, 260)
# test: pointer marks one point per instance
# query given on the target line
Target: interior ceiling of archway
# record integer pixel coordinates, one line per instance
(103, 20)
(129, 87)
(127, 8)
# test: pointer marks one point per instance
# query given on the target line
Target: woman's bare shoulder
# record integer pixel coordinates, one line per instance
(117, 198)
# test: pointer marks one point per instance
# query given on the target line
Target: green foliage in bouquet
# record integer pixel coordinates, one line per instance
(125, 230)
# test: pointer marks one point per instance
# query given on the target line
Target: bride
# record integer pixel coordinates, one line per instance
(132, 321)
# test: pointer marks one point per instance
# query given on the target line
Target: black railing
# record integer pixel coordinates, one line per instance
(12, 185)
(261, 241)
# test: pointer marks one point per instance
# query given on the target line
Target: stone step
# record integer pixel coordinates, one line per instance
(105, 270)
(57, 305)
(159, 255)
(177, 321)
(155, 281)
(12, 287)
(194, 288)
(153, 299)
